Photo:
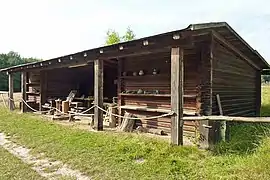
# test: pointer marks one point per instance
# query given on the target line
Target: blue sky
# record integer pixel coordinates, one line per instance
(51, 28)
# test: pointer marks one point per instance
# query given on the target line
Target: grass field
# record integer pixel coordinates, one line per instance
(125, 156)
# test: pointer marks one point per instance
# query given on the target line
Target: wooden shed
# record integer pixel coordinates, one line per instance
(179, 72)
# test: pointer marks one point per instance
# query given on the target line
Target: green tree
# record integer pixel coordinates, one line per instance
(11, 59)
(113, 37)
(129, 35)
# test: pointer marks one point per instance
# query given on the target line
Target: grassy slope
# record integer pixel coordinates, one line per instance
(13, 168)
(112, 156)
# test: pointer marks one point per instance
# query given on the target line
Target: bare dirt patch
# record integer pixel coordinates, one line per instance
(43, 166)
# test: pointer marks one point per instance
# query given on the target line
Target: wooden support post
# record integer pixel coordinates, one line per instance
(258, 93)
(119, 88)
(207, 134)
(43, 89)
(222, 128)
(10, 92)
(98, 94)
(23, 91)
(177, 89)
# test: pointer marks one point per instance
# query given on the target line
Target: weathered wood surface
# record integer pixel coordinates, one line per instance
(23, 91)
(10, 91)
(43, 89)
(258, 93)
(235, 50)
(238, 89)
(98, 93)
(127, 124)
(154, 44)
(162, 83)
(229, 118)
(177, 91)
(33, 88)
(222, 129)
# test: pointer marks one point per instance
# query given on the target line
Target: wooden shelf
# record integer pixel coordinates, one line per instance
(146, 95)
(155, 95)
(146, 76)
(144, 108)
(32, 93)
(190, 96)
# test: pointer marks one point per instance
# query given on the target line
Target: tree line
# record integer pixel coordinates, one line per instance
(12, 59)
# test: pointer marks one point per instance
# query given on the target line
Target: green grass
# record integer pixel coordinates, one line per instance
(13, 168)
(113, 155)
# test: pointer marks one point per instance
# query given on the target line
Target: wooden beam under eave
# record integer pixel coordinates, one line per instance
(23, 91)
(98, 94)
(177, 90)
(218, 37)
(10, 92)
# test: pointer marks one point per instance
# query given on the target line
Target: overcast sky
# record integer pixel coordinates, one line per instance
(50, 28)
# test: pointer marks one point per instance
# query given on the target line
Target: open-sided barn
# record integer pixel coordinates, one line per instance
(180, 72)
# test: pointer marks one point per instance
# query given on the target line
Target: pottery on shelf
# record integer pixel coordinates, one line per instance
(156, 92)
(155, 71)
(141, 72)
(134, 73)
(124, 74)
(140, 91)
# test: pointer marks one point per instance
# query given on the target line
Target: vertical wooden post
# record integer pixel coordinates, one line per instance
(98, 93)
(222, 129)
(177, 90)
(119, 87)
(10, 92)
(258, 93)
(23, 91)
(206, 81)
(43, 89)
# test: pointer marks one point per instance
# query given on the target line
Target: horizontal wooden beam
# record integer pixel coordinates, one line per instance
(218, 37)
(56, 65)
(148, 45)
(228, 118)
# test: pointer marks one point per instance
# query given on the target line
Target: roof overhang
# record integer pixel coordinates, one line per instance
(157, 43)
(228, 33)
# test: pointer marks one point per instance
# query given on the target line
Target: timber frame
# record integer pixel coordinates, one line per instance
(193, 62)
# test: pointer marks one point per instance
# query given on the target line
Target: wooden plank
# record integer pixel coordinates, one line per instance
(146, 95)
(157, 43)
(218, 37)
(228, 119)
(23, 91)
(98, 94)
(10, 91)
(177, 89)
(144, 108)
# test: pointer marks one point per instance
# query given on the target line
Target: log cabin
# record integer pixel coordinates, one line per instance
(180, 72)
